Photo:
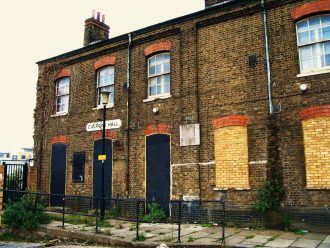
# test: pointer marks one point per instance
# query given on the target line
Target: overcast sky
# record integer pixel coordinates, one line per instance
(39, 29)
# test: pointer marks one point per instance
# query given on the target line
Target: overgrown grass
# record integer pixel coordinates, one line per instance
(75, 219)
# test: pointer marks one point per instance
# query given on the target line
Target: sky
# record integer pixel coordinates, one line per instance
(39, 29)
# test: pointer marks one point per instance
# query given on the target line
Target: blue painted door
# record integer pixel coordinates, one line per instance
(97, 169)
(158, 169)
(58, 169)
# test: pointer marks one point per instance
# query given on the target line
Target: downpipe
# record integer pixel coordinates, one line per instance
(269, 80)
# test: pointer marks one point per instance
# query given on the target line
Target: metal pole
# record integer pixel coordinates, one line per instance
(63, 211)
(137, 220)
(97, 216)
(179, 222)
(103, 153)
(223, 221)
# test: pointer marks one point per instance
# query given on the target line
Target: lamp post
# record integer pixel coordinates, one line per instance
(104, 101)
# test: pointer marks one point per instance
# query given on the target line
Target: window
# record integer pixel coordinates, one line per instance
(105, 82)
(62, 95)
(23, 157)
(78, 167)
(159, 75)
(313, 35)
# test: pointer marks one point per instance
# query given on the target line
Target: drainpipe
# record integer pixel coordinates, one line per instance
(128, 113)
(198, 113)
(269, 80)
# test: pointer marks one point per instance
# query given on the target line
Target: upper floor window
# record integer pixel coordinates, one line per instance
(313, 35)
(62, 95)
(105, 82)
(159, 75)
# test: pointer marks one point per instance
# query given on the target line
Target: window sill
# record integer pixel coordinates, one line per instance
(101, 106)
(318, 188)
(311, 73)
(150, 99)
(226, 189)
(60, 114)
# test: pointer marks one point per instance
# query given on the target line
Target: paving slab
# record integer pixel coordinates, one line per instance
(280, 243)
(245, 246)
(289, 235)
(327, 240)
(324, 245)
(259, 239)
(306, 243)
(248, 233)
(197, 235)
(206, 241)
(315, 236)
(235, 239)
(218, 235)
(272, 233)
(166, 238)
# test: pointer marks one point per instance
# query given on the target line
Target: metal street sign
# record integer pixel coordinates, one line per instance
(97, 126)
(102, 157)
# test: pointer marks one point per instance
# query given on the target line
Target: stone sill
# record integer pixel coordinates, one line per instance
(101, 107)
(226, 189)
(60, 114)
(317, 188)
(150, 99)
(311, 73)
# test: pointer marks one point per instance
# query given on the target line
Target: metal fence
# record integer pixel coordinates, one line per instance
(130, 209)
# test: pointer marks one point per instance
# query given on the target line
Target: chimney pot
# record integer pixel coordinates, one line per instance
(98, 16)
(103, 18)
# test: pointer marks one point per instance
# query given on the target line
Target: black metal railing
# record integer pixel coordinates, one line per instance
(129, 209)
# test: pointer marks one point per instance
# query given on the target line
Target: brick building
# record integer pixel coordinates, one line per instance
(201, 106)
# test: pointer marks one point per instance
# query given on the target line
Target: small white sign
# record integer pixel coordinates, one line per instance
(189, 135)
(97, 126)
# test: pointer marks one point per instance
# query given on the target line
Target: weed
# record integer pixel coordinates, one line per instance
(256, 226)
(105, 224)
(237, 225)
(132, 228)
(190, 238)
(142, 237)
(156, 214)
(270, 194)
(115, 212)
(167, 239)
(249, 236)
(271, 239)
(207, 225)
(119, 226)
(107, 231)
(22, 215)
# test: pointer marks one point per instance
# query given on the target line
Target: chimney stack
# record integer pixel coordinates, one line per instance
(95, 29)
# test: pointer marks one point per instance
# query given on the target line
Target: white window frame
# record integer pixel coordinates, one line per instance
(315, 42)
(158, 77)
(109, 84)
(62, 95)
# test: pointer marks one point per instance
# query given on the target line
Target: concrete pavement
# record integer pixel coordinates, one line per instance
(123, 233)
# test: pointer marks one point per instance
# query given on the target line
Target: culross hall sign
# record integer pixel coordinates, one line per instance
(97, 126)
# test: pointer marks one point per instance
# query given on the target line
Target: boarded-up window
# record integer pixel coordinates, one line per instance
(78, 175)
(316, 129)
(231, 152)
